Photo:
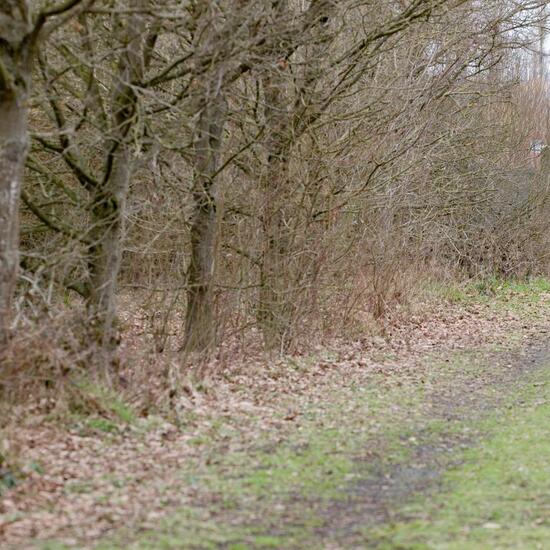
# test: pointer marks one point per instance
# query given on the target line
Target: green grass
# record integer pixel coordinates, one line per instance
(499, 498)
(268, 494)
(94, 407)
(275, 498)
(493, 290)
(272, 494)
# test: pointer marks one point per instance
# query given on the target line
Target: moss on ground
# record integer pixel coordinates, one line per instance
(494, 291)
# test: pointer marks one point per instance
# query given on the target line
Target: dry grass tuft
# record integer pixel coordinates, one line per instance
(42, 362)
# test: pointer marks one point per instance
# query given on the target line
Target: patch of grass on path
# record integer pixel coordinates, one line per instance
(322, 481)
(272, 494)
(499, 498)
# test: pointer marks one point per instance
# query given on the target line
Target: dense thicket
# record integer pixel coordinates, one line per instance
(277, 167)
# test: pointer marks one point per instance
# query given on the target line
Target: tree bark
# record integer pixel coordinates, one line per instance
(277, 303)
(21, 31)
(110, 197)
(13, 152)
(108, 211)
(274, 310)
(200, 326)
(16, 51)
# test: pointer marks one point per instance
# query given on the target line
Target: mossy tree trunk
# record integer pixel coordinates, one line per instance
(22, 28)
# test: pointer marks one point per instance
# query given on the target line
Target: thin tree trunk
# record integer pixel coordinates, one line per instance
(274, 305)
(278, 296)
(200, 325)
(109, 202)
(16, 52)
(20, 33)
(106, 253)
(13, 151)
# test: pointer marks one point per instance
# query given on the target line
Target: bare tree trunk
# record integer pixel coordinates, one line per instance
(13, 151)
(16, 51)
(541, 58)
(200, 325)
(274, 306)
(106, 253)
(278, 297)
(109, 202)
(20, 33)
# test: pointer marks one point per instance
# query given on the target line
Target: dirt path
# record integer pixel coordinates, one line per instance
(344, 449)
(379, 497)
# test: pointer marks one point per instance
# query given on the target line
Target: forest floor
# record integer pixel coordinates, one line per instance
(435, 435)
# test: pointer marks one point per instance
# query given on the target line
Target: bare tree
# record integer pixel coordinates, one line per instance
(22, 30)
(263, 148)
(96, 144)
(110, 191)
